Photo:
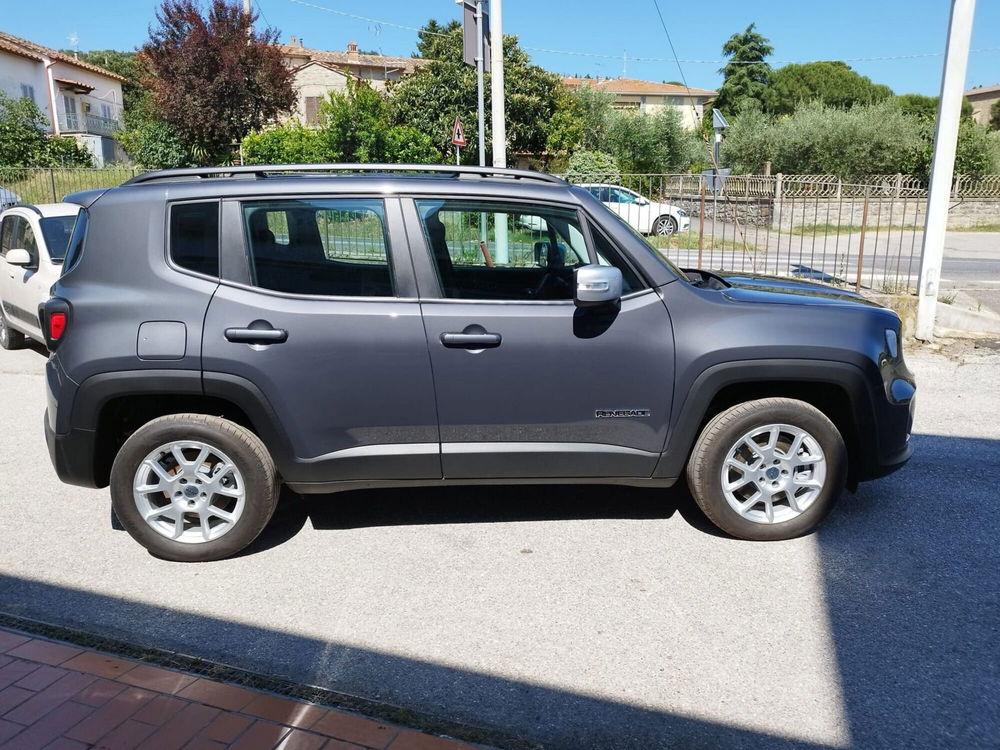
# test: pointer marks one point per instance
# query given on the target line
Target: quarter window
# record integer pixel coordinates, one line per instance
(194, 237)
(503, 251)
(329, 247)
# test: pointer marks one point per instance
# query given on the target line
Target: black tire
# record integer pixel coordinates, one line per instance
(243, 448)
(719, 437)
(9, 338)
(665, 226)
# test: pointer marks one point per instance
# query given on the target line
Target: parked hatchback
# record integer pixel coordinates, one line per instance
(220, 332)
(33, 242)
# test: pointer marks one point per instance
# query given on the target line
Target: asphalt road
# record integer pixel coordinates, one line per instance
(608, 617)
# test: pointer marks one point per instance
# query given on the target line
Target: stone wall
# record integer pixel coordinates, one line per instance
(885, 212)
(747, 211)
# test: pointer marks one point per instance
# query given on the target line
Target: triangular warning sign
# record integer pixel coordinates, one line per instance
(458, 135)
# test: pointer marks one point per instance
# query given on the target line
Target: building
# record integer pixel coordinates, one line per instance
(316, 73)
(982, 99)
(648, 96)
(78, 100)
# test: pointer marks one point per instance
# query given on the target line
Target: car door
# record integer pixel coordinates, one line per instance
(317, 309)
(527, 384)
(23, 288)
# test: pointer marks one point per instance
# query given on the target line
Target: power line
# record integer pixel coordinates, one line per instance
(674, 59)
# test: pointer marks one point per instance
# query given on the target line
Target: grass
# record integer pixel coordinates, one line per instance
(820, 230)
(988, 227)
(46, 186)
(689, 242)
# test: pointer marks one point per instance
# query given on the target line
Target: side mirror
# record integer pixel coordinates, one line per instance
(643, 201)
(597, 285)
(19, 257)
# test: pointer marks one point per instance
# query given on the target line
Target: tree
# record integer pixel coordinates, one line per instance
(149, 140)
(214, 78)
(24, 142)
(593, 166)
(995, 115)
(430, 98)
(746, 75)
(289, 144)
(651, 143)
(831, 82)
(125, 64)
(926, 106)
(356, 127)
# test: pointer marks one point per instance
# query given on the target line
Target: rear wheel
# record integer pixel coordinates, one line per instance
(768, 469)
(9, 338)
(665, 226)
(191, 487)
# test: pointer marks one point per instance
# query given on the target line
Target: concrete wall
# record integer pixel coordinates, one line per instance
(107, 91)
(963, 213)
(981, 105)
(15, 71)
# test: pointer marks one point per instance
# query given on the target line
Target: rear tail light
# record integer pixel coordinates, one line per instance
(55, 315)
(57, 324)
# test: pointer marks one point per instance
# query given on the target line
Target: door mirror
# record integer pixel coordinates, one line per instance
(19, 257)
(643, 201)
(597, 285)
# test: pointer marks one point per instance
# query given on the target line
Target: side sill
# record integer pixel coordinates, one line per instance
(322, 488)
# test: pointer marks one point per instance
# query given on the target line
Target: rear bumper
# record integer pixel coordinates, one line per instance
(72, 455)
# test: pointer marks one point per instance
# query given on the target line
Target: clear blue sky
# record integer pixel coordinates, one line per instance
(799, 30)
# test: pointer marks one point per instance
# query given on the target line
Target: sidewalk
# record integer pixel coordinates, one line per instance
(60, 697)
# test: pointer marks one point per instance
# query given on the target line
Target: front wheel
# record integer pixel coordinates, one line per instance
(193, 488)
(665, 226)
(768, 469)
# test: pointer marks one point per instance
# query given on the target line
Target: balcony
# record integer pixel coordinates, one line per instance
(78, 122)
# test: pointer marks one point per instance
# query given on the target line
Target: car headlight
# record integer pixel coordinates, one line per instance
(681, 212)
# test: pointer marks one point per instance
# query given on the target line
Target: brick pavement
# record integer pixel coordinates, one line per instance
(60, 697)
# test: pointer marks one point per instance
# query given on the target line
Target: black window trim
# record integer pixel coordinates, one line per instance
(168, 238)
(592, 227)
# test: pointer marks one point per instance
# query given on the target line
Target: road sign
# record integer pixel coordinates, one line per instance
(457, 134)
(472, 33)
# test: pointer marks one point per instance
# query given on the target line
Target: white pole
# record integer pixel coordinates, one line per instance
(943, 164)
(498, 104)
(479, 83)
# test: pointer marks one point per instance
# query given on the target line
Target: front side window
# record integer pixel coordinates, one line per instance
(322, 246)
(194, 236)
(503, 251)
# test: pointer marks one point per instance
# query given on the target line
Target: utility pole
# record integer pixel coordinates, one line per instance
(479, 82)
(943, 163)
(498, 102)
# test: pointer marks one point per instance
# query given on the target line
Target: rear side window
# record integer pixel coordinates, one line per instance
(57, 231)
(322, 246)
(194, 236)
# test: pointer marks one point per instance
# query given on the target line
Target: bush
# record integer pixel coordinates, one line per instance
(593, 166)
(289, 144)
(651, 143)
(24, 142)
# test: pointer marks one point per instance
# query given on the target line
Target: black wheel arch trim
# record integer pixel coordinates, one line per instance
(692, 412)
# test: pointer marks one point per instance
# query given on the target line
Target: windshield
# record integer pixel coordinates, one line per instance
(57, 230)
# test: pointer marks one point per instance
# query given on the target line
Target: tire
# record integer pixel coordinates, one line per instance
(9, 338)
(665, 226)
(795, 491)
(201, 510)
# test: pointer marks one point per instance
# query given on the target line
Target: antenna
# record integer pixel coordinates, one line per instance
(74, 42)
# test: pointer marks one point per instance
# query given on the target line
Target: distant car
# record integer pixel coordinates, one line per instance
(33, 242)
(8, 198)
(644, 215)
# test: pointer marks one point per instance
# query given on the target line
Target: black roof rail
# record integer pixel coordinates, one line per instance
(272, 169)
(29, 206)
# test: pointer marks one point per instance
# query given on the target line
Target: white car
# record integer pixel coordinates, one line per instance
(642, 214)
(33, 241)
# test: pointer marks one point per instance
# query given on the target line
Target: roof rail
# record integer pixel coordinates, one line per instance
(277, 169)
(29, 206)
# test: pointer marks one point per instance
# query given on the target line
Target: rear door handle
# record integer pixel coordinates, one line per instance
(256, 335)
(470, 340)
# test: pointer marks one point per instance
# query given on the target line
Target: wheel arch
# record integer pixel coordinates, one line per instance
(837, 389)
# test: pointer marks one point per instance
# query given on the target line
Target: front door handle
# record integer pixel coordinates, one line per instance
(256, 335)
(470, 340)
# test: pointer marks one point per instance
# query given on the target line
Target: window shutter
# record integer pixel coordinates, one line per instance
(312, 110)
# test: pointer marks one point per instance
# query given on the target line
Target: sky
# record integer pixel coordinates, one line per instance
(609, 32)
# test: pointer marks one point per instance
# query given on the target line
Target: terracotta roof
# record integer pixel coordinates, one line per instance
(36, 51)
(994, 89)
(634, 86)
(347, 59)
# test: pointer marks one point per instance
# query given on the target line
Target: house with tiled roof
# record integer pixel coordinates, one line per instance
(317, 73)
(633, 95)
(982, 99)
(78, 100)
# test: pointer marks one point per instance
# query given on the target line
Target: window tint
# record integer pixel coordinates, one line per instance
(194, 236)
(27, 239)
(57, 230)
(503, 251)
(75, 247)
(334, 247)
(609, 255)
(7, 233)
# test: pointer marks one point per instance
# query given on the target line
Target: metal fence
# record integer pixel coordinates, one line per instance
(864, 233)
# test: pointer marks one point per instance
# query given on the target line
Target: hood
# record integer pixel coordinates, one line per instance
(778, 290)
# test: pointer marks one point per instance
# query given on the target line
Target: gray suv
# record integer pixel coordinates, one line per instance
(219, 332)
